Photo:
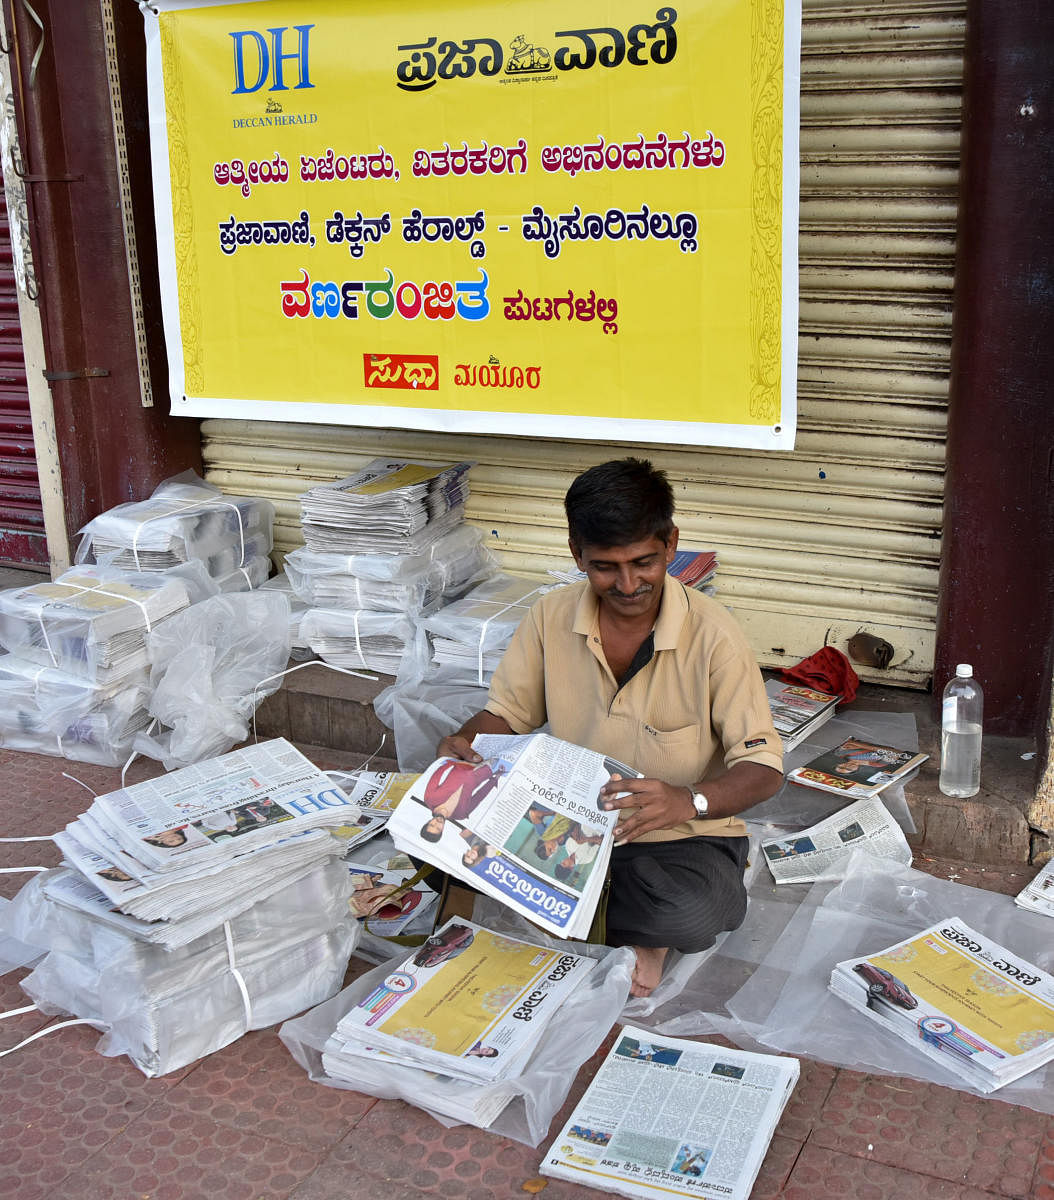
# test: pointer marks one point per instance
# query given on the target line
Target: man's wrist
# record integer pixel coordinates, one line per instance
(692, 814)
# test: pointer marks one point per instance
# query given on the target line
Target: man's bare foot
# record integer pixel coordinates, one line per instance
(648, 970)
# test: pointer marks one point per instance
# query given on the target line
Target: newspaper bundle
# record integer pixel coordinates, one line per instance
(961, 998)
(522, 826)
(470, 635)
(389, 507)
(665, 1116)
(210, 838)
(365, 640)
(185, 518)
(299, 650)
(93, 621)
(822, 851)
(166, 1007)
(798, 711)
(1038, 896)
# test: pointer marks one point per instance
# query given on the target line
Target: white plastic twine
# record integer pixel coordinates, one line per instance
(358, 643)
(299, 667)
(336, 776)
(188, 506)
(32, 870)
(79, 587)
(493, 617)
(135, 753)
(238, 977)
(48, 1029)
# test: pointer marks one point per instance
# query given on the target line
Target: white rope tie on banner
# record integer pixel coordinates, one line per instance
(187, 506)
(238, 977)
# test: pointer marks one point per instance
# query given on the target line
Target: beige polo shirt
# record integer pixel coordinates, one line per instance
(697, 708)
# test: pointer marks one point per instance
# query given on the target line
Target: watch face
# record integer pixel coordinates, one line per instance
(699, 800)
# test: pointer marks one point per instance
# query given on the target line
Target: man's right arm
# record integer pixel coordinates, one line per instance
(459, 745)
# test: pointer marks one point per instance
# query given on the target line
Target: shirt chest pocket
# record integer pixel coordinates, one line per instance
(675, 755)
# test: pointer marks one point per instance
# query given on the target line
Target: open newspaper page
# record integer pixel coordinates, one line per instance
(522, 826)
(961, 998)
(822, 851)
(469, 1003)
(1038, 896)
(375, 793)
(665, 1116)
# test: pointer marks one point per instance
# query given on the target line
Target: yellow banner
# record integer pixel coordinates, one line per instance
(498, 217)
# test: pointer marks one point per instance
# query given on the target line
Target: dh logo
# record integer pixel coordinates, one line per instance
(267, 59)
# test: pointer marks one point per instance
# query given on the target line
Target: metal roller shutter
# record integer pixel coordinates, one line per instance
(843, 533)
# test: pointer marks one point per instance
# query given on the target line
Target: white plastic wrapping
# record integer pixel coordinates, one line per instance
(94, 621)
(423, 711)
(245, 578)
(565, 1044)
(299, 649)
(206, 665)
(364, 640)
(185, 518)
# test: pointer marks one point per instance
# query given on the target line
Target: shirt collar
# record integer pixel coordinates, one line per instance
(672, 612)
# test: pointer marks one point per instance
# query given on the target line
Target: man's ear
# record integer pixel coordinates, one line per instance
(576, 553)
(671, 545)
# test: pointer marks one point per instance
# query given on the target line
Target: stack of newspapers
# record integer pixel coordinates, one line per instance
(470, 635)
(960, 998)
(186, 519)
(75, 679)
(460, 1018)
(165, 1006)
(523, 826)
(389, 507)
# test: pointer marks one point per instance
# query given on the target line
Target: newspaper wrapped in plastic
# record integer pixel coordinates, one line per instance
(395, 583)
(521, 1106)
(185, 518)
(94, 621)
(299, 650)
(365, 640)
(470, 636)
(389, 507)
(210, 667)
(46, 711)
(423, 711)
(166, 1008)
(246, 578)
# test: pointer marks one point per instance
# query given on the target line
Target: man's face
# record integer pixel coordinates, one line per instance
(628, 579)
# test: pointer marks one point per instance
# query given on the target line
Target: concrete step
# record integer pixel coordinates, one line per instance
(325, 708)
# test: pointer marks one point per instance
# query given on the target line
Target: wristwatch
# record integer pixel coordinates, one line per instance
(699, 803)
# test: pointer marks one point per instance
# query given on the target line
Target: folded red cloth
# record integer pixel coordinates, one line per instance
(828, 670)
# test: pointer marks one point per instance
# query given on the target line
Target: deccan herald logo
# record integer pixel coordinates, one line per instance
(262, 55)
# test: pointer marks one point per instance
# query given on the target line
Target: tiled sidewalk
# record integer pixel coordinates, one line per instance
(245, 1124)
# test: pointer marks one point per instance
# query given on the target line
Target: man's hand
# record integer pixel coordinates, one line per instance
(456, 745)
(656, 805)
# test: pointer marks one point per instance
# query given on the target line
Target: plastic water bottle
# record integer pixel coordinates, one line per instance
(961, 714)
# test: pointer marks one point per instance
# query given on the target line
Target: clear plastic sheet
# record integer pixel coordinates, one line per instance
(208, 665)
(423, 711)
(246, 578)
(360, 639)
(797, 807)
(565, 1044)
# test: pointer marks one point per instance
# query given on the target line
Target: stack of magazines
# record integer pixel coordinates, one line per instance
(798, 711)
(463, 1015)
(185, 519)
(695, 569)
(1038, 895)
(522, 826)
(470, 635)
(165, 1007)
(960, 998)
(857, 769)
(204, 843)
(389, 507)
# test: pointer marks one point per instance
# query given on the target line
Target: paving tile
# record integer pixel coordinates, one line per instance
(779, 1162)
(807, 1101)
(933, 1130)
(255, 1086)
(1043, 1184)
(820, 1174)
(171, 1154)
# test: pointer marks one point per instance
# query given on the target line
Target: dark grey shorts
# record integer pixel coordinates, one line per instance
(679, 894)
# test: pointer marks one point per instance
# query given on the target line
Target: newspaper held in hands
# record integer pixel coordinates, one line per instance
(665, 1116)
(960, 998)
(523, 826)
(822, 851)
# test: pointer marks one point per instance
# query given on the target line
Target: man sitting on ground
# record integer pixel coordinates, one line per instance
(634, 665)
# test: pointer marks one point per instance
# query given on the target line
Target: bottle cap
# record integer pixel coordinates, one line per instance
(964, 670)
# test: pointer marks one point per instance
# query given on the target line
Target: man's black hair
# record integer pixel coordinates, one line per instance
(619, 502)
(430, 835)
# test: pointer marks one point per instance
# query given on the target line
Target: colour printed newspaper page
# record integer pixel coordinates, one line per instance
(822, 851)
(798, 711)
(1038, 896)
(964, 1000)
(665, 1116)
(857, 768)
(522, 826)
(468, 1003)
(375, 793)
